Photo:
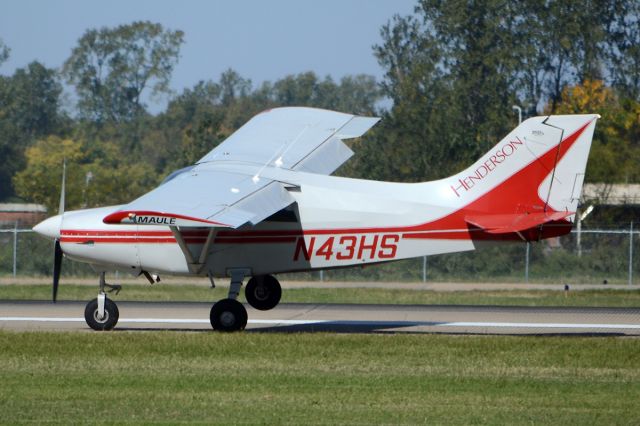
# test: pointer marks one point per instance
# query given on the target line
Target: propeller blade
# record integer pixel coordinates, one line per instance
(57, 264)
(57, 250)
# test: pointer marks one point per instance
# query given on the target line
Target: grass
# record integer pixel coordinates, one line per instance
(190, 292)
(273, 378)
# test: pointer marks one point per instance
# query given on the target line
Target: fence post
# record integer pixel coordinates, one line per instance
(15, 248)
(424, 269)
(579, 237)
(631, 253)
(526, 264)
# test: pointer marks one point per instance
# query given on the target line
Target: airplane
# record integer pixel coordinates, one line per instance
(263, 202)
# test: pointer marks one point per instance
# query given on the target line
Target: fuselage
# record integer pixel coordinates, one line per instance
(364, 222)
(525, 188)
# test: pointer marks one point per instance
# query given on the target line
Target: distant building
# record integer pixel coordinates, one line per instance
(611, 194)
(25, 215)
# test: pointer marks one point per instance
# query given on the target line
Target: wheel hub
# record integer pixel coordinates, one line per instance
(104, 319)
(227, 319)
(262, 293)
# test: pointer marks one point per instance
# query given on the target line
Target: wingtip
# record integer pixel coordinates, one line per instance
(114, 218)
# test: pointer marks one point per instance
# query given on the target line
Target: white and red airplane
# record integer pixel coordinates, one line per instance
(263, 203)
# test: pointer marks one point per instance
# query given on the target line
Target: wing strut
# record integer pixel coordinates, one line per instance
(194, 267)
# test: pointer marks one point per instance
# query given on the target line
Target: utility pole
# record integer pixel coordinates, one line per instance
(15, 248)
(631, 253)
(517, 108)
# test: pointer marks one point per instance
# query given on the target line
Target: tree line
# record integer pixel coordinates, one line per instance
(453, 72)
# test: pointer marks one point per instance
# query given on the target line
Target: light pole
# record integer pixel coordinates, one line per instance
(517, 108)
(581, 217)
(87, 179)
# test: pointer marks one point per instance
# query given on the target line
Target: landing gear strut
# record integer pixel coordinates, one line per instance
(102, 313)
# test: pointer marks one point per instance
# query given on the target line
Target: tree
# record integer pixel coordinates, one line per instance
(40, 181)
(450, 72)
(191, 126)
(93, 178)
(29, 109)
(615, 151)
(33, 94)
(4, 52)
(624, 54)
(112, 67)
(454, 69)
(233, 86)
(355, 94)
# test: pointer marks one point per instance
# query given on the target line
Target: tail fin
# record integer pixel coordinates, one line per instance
(536, 171)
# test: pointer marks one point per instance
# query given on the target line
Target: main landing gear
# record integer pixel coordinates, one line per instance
(101, 313)
(262, 292)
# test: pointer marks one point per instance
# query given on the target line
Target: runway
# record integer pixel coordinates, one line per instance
(337, 318)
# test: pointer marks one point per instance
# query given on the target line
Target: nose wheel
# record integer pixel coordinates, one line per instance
(102, 314)
(101, 321)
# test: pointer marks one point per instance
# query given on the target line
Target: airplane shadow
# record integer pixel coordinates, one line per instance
(368, 327)
(380, 327)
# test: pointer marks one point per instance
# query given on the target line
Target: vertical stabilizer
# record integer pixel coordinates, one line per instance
(562, 188)
(538, 167)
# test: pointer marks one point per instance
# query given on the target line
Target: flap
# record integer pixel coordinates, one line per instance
(326, 159)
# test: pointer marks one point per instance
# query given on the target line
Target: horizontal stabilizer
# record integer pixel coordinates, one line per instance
(510, 223)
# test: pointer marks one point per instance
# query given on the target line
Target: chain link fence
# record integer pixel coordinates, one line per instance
(593, 256)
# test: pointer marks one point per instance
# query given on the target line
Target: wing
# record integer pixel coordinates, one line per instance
(295, 138)
(226, 187)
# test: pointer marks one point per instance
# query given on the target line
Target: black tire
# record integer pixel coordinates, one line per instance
(263, 292)
(228, 315)
(110, 319)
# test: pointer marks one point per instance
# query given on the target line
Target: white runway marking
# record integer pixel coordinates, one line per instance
(338, 322)
(160, 320)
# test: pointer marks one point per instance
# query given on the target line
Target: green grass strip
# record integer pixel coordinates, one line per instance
(175, 292)
(272, 378)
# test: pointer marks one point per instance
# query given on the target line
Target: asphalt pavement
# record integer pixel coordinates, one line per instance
(338, 318)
